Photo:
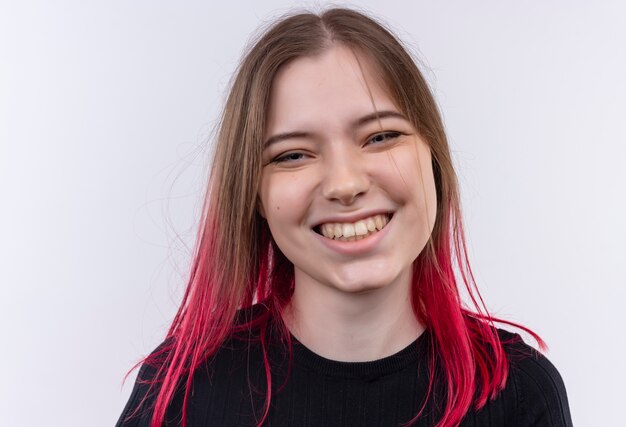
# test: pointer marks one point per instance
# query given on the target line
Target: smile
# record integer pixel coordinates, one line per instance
(352, 231)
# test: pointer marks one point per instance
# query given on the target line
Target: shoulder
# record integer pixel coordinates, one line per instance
(238, 360)
(535, 383)
(138, 409)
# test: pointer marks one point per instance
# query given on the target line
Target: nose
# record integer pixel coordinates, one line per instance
(345, 178)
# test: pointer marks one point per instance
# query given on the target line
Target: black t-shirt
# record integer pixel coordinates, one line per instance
(229, 389)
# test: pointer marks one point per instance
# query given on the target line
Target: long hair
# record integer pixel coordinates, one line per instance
(236, 262)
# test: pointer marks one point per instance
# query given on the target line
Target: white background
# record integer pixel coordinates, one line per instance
(106, 112)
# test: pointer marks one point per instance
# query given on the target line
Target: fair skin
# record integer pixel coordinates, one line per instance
(350, 200)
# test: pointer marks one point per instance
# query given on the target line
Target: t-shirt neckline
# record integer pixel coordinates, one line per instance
(412, 353)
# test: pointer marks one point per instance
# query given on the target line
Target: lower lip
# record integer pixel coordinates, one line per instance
(355, 247)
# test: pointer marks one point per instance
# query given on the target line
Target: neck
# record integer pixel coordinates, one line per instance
(353, 327)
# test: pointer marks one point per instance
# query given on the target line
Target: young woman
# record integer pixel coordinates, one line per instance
(323, 289)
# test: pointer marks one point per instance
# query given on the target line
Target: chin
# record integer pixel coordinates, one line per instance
(363, 282)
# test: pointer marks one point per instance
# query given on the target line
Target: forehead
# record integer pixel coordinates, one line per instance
(332, 87)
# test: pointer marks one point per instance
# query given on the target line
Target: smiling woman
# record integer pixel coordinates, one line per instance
(323, 289)
(354, 167)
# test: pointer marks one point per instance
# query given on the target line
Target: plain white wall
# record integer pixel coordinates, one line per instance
(106, 112)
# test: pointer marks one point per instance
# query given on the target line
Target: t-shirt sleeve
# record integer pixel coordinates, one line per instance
(542, 397)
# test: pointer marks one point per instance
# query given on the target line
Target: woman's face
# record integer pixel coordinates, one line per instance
(350, 199)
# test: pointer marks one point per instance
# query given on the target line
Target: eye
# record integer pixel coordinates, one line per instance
(289, 157)
(383, 137)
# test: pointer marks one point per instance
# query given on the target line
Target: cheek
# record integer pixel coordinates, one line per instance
(269, 199)
(410, 180)
(283, 198)
(427, 190)
(401, 176)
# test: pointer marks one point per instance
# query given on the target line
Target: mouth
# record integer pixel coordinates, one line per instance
(353, 231)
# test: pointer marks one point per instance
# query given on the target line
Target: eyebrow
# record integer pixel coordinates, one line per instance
(375, 116)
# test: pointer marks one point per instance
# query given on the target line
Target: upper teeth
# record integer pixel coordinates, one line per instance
(360, 228)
